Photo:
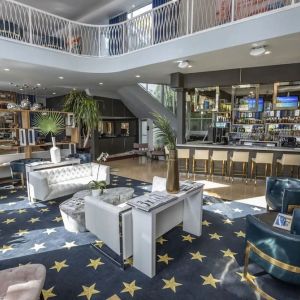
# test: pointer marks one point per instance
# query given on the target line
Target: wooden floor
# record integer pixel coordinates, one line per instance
(144, 169)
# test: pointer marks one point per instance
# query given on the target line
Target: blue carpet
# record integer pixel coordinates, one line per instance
(187, 267)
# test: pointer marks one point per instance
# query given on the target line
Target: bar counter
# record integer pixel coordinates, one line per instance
(278, 152)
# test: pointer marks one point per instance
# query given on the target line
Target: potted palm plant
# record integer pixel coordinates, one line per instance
(86, 113)
(51, 123)
(168, 136)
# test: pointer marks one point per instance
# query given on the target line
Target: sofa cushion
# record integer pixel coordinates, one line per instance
(68, 187)
(59, 175)
(24, 282)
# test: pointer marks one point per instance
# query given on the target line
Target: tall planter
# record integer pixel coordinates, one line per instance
(172, 185)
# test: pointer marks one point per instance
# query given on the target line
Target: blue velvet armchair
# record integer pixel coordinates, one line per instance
(283, 194)
(275, 251)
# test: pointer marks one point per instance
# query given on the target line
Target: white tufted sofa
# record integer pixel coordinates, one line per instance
(58, 182)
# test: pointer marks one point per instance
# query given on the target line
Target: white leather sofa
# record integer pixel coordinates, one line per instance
(58, 182)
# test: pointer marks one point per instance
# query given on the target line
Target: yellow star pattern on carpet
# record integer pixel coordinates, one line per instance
(228, 253)
(69, 245)
(47, 294)
(95, 263)
(13, 191)
(22, 211)
(161, 240)
(34, 220)
(210, 280)
(8, 221)
(215, 236)
(197, 256)
(22, 232)
(99, 243)
(206, 223)
(171, 284)
(164, 258)
(130, 288)
(129, 261)
(88, 291)
(251, 277)
(228, 221)
(3, 197)
(188, 238)
(6, 248)
(57, 219)
(58, 265)
(240, 234)
(52, 202)
(42, 210)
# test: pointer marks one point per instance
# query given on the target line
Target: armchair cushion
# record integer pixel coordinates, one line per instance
(274, 244)
(295, 227)
(275, 187)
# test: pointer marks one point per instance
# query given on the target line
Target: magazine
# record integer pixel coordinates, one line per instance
(283, 221)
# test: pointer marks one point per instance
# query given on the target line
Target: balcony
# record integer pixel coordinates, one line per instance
(171, 21)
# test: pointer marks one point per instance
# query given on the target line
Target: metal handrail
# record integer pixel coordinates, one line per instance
(169, 21)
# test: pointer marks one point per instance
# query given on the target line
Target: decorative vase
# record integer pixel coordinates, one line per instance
(55, 152)
(95, 193)
(172, 185)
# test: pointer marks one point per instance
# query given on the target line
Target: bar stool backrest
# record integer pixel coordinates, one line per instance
(201, 154)
(239, 156)
(219, 155)
(291, 159)
(167, 150)
(264, 158)
(183, 153)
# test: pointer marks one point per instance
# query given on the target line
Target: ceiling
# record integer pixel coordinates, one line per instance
(86, 11)
(285, 50)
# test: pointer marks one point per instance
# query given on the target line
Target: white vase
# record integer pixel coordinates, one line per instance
(96, 193)
(55, 152)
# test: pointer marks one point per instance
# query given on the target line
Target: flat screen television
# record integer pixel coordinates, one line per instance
(252, 104)
(287, 102)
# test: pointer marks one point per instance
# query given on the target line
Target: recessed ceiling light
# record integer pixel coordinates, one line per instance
(53, 93)
(38, 84)
(74, 89)
(61, 77)
(6, 70)
(21, 89)
(268, 52)
(133, 6)
(183, 64)
(137, 76)
(190, 66)
(100, 83)
(258, 51)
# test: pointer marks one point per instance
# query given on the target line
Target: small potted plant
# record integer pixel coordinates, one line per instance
(97, 187)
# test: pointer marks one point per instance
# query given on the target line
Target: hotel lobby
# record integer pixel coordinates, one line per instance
(149, 149)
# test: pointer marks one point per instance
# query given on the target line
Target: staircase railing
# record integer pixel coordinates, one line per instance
(163, 94)
(172, 20)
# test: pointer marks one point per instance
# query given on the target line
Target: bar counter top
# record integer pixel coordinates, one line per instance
(238, 147)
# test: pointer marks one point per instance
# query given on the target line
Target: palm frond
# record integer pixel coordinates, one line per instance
(49, 122)
(164, 131)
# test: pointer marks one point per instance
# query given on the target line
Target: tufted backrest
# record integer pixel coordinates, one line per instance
(66, 173)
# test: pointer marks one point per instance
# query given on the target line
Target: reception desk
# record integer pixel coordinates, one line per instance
(277, 151)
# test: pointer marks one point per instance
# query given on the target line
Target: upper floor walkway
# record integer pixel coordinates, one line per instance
(171, 21)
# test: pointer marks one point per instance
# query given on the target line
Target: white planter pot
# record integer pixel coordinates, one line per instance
(55, 153)
(96, 193)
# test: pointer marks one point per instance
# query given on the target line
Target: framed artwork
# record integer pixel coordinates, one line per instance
(23, 138)
(31, 137)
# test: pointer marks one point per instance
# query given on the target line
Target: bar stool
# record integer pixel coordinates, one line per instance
(199, 156)
(219, 156)
(239, 157)
(288, 160)
(184, 154)
(263, 159)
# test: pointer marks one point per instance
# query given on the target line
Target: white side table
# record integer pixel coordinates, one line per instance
(147, 226)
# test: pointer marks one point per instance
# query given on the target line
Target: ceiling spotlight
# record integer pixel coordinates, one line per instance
(74, 89)
(6, 70)
(258, 51)
(183, 64)
(133, 6)
(190, 66)
(53, 93)
(137, 76)
(61, 77)
(100, 83)
(38, 84)
(21, 89)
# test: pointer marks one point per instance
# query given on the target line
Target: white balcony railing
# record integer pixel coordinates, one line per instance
(169, 21)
